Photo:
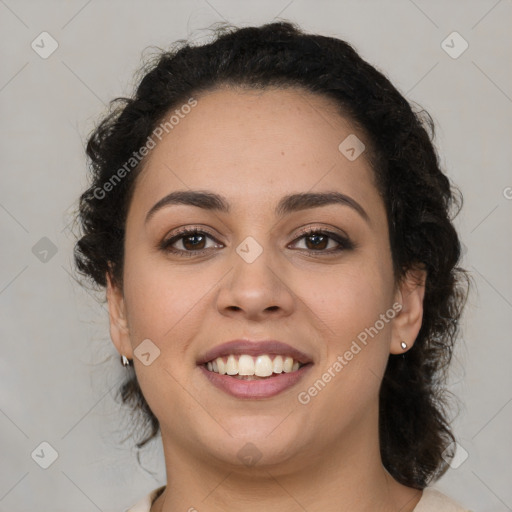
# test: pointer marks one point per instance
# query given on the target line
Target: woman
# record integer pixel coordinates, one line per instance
(274, 233)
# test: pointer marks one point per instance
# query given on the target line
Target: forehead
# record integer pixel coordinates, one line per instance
(254, 146)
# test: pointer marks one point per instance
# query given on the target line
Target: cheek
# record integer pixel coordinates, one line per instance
(354, 305)
(164, 307)
(348, 300)
(159, 293)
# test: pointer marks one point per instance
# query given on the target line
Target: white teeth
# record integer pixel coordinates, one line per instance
(288, 365)
(231, 365)
(221, 365)
(278, 364)
(263, 366)
(246, 365)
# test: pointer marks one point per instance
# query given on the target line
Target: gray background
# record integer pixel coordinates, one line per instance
(59, 369)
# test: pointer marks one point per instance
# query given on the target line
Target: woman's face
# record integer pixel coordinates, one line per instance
(260, 278)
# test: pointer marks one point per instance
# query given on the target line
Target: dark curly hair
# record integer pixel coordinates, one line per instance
(415, 435)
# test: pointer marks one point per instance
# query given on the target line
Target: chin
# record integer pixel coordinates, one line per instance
(261, 441)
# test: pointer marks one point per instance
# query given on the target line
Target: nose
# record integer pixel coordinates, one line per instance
(255, 290)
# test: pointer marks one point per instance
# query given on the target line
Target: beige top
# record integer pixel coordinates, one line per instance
(431, 501)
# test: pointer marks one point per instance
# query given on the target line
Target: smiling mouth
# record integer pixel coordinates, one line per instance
(247, 367)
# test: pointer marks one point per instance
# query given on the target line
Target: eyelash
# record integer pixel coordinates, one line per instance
(344, 242)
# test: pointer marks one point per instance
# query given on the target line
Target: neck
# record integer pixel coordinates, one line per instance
(346, 477)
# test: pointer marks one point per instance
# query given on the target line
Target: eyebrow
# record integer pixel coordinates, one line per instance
(288, 204)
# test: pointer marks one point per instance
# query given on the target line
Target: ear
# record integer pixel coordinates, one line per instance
(407, 323)
(119, 331)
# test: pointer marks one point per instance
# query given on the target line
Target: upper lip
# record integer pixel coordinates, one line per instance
(254, 348)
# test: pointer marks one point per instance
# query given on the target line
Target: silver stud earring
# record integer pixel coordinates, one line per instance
(403, 345)
(125, 361)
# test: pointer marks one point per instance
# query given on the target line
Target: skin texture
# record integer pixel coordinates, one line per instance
(253, 147)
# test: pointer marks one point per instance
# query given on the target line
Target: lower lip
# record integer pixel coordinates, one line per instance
(259, 388)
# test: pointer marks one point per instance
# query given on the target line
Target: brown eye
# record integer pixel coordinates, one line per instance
(192, 241)
(318, 241)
